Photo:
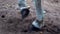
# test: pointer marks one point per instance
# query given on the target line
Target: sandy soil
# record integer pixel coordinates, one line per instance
(11, 22)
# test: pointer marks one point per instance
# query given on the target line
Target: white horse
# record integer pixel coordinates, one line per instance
(38, 23)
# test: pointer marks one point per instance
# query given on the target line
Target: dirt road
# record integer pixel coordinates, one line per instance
(11, 22)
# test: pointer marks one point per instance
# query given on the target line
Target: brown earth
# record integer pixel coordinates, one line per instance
(11, 22)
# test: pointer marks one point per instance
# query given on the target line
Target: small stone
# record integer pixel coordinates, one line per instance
(41, 32)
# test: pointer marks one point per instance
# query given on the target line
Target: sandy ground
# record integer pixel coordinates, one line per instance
(11, 22)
